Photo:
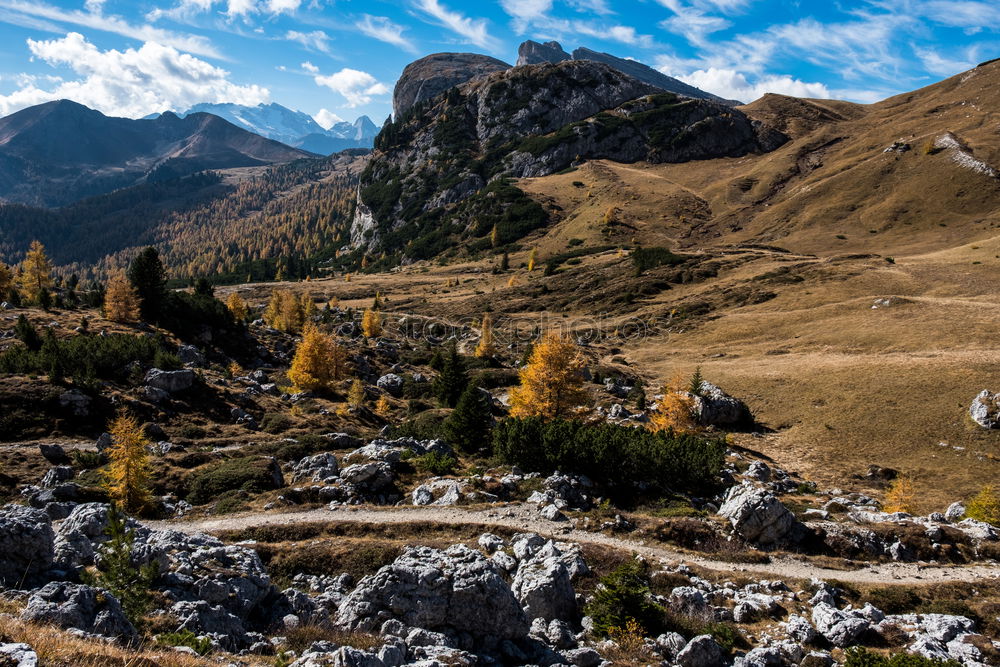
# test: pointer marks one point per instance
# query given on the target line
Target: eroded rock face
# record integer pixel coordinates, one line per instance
(542, 585)
(92, 610)
(26, 544)
(985, 409)
(757, 516)
(457, 590)
(533, 53)
(430, 76)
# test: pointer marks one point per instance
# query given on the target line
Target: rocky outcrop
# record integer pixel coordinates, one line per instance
(757, 516)
(715, 407)
(316, 468)
(170, 381)
(85, 608)
(542, 585)
(985, 409)
(26, 542)
(430, 76)
(532, 121)
(457, 590)
(533, 53)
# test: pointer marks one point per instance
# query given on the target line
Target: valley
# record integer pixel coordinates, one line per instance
(638, 378)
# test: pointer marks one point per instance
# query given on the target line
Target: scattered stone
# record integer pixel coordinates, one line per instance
(702, 651)
(985, 409)
(170, 381)
(76, 402)
(391, 384)
(543, 586)
(26, 543)
(316, 468)
(18, 655)
(92, 610)
(54, 454)
(757, 516)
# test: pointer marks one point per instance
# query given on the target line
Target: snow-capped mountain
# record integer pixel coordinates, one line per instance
(294, 128)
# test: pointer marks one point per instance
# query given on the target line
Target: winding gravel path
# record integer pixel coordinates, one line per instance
(525, 518)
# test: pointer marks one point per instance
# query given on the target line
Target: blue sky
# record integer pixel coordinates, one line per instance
(340, 58)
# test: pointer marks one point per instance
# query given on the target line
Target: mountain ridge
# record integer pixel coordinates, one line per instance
(61, 151)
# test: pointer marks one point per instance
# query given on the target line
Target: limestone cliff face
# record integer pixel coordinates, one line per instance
(445, 156)
(428, 77)
(533, 53)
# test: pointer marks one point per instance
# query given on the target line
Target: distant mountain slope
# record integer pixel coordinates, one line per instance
(294, 128)
(58, 152)
(438, 169)
(533, 53)
(237, 222)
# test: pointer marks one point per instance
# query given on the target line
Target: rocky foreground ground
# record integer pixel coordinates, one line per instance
(521, 595)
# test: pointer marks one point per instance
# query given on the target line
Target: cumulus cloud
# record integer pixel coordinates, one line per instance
(473, 31)
(734, 85)
(309, 67)
(113, 24)
(131, 83)
(384, 30)
(327, 119)
(357, 87)
(317, 40)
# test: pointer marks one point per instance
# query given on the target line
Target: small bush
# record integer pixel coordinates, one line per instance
(192, 432)
(275, 423)
(623, 596)
(894, 599)
(861, 657)
(435, 463)
(200, 645)
(88, 460)
(645, 259)
(253, 475)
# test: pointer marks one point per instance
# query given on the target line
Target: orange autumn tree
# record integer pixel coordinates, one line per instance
(676, 410)
(127, 478)
(552, 382)
(486, 347)
(237, 306)
(901, 495)
(319, 361)
(121, 301)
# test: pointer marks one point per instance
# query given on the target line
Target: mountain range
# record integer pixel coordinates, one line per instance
(294, 128)
(59, 152)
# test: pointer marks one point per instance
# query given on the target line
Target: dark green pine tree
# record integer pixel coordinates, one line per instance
(203, 288)
(117, 573)
(27, 333)
(147, 275)
(505, 262)
(452, 380)
(468, 427)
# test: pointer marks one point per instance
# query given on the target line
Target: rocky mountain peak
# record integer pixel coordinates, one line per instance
(430, 76)
(533, 53)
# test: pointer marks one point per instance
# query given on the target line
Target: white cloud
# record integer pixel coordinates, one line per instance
(694, 24)
(317, 40)
(327, 119)
(593, 6)
(357, 87)
(618, 33)
(283, 6)
(940, 65)
(473, 31)
(131, 83)
(734, 85)
(962, 13)
(309, 67)
(526, 9)
(113, 24)
(94, 6)
(236, 8)
(384, 30)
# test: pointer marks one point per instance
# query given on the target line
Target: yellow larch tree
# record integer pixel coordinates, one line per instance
(356, 395)
(371, 323)
(552, 382)
(676, 410)
(121, 301)
(532, 258)
(308, 307)
(6, 280)
(486, 348)
(237, 306)
(318, 361)
(985, 506)
(900, 496)
(383, 407)
(36, 271)
(127, 477)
